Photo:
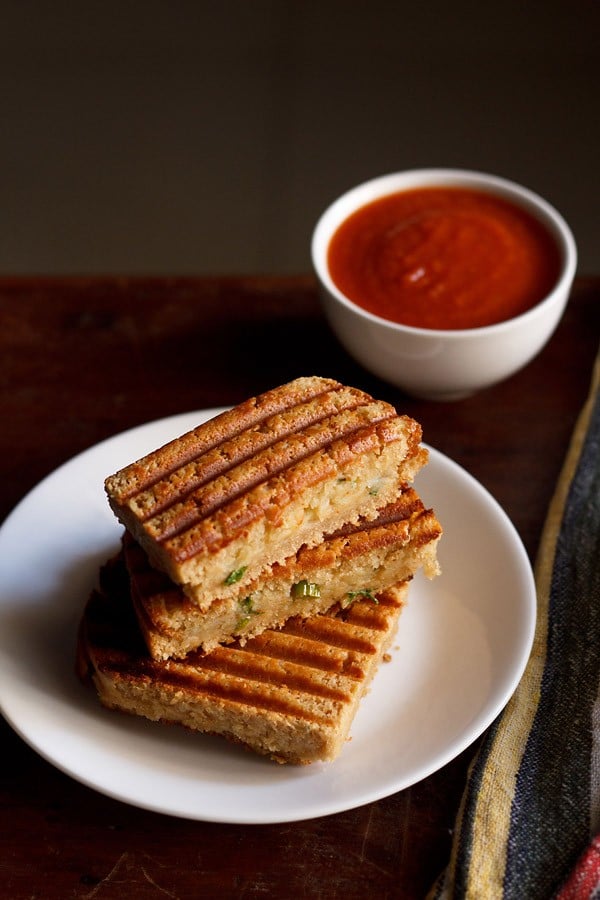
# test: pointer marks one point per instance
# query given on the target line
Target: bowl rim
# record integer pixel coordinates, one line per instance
(392, 182)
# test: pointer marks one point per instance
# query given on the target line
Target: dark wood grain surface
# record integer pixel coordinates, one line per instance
(83, 359)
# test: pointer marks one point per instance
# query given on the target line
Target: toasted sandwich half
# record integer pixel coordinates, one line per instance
(289, 694)
(216, 507)
(356, 562)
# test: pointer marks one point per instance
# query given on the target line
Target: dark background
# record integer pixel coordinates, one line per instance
(193, 137)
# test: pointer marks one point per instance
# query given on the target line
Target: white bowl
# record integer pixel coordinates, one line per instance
(431, 363)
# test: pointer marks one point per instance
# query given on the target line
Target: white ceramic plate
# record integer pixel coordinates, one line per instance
(462, 645)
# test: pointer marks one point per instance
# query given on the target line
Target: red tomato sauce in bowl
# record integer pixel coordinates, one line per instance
(443, 258)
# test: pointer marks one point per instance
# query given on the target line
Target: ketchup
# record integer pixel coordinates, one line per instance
(444, 258)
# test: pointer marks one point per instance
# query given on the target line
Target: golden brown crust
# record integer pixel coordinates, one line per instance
(295, 470)
(293, 430)
(369, 555)
(291, 694)
(241, 493)
(142, 474)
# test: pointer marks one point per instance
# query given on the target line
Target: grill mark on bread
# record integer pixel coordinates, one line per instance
(249, 677)
(352, 628)
(207, 466)
(405, 505)
(229, 512)
(333, 632)
(142, 474)
(246, 696)
(278, 706)
(266, 499)
(365, 615)
(367, 557)
(178, 515)
(222, 687)
(279, 671)
(303, 651)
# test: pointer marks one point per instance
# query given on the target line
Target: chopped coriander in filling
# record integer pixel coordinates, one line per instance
(362, 594)
(247, 610)
(235, 576)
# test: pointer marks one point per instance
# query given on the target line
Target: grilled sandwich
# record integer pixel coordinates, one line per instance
(356, 562)
(215, 508)
(290, 694)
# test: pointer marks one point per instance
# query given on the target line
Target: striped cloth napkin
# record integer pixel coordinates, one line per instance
(529, 821)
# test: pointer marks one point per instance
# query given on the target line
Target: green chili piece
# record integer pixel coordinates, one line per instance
(305, 589)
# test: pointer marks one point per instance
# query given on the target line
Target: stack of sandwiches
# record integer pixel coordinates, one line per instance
(265, 561)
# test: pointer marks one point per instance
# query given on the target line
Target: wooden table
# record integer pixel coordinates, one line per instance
(82, 359)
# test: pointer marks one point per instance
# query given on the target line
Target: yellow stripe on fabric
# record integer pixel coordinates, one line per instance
(494, 801)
